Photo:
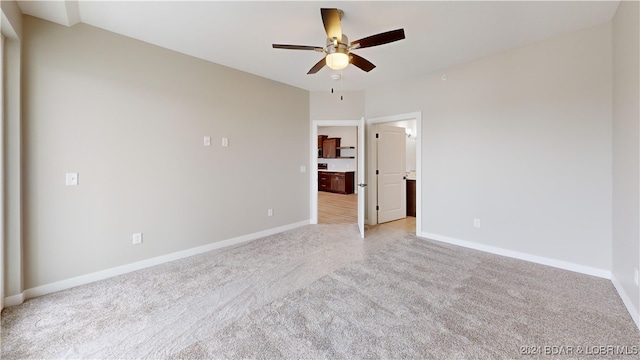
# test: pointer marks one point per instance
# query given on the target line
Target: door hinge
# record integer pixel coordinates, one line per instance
(377, 207)
(377, 135)
(377, 172)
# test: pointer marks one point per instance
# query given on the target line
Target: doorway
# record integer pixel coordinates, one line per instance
(337, 170)
(339, 176)
(412, 123)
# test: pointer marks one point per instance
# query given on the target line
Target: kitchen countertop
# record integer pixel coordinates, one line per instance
(340, 171)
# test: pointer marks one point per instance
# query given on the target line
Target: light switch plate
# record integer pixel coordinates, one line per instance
(137, 238)
(72, 179)
(303, 168)
(225, 142)
(207, 141)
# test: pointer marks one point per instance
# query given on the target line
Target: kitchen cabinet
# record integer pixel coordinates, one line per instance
(321, 139)
(324, 181)
(411, 198)
(330, 148)
(337, 182)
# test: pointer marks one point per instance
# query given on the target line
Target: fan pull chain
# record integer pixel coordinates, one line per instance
(341, 91)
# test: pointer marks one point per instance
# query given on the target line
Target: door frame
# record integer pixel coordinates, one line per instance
(372, 195)
(313, 218)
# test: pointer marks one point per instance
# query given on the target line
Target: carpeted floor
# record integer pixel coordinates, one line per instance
(321, 292)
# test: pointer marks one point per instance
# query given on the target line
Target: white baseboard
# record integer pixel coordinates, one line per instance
(14, 300)
(635, 313)
(104, 274)
(588, 270)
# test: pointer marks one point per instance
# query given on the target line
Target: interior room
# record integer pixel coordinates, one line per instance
(405, 219)
(161, 179)
(337, 172)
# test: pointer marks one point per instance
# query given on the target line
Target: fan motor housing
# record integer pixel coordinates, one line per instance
(342, 45)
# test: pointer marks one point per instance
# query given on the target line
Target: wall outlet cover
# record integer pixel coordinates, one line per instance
(137, 238)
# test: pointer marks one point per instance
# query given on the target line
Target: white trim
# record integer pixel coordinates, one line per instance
(372, 179)
(119, 270)
(588, 270)
(14, 300)
(313, 178)
(635, 314)
(2, 176)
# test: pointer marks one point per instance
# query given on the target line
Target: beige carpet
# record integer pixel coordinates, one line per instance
(321, 292)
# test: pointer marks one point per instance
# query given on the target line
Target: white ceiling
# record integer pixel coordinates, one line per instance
(239, 34)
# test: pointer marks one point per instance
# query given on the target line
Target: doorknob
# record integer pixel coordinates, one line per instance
(362, 185)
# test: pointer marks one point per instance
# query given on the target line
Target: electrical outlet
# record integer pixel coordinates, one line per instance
(269, 212)
(635, 276)
(137, 238)
(476, 223)
(303, 168)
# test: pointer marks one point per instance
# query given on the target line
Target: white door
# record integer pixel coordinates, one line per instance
(361, 184)
(391, 152)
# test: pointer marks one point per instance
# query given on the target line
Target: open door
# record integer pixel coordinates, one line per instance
(391, 152)
(361, 184)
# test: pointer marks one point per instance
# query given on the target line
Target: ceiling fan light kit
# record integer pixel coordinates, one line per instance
(338, 49)
(337, 60)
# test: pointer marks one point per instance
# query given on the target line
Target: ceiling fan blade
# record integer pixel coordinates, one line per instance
(361, 62)
(380, 39)
(317, 66)
(297, 47)
(331, 21)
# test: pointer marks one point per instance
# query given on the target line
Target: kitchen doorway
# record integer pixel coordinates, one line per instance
(337, 172)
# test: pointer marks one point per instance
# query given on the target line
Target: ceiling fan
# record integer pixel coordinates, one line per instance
(338, 49)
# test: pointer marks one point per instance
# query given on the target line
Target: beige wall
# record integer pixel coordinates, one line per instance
(11, 219)
(626, 151)
(521, 140)
(323, 105)
(130, 118)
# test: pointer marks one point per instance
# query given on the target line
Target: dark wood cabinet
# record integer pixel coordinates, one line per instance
(411, 198)
(330, 148)
(324, 181)
(337, 182)
(321, 139)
